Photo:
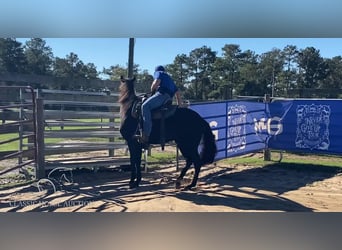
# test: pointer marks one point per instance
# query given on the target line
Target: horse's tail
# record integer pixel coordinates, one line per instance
(209, 149)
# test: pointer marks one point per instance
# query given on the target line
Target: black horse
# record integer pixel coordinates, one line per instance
(186, 127)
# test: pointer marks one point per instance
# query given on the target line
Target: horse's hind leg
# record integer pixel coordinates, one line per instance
(183, 172)
(190, 152)
(197, 166)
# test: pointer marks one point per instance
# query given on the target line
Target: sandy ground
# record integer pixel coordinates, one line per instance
(221, 188)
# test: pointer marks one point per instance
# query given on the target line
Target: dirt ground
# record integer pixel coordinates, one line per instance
(221, 188)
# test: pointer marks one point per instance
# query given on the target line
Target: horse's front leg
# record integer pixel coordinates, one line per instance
(135, 151)
(183, 172)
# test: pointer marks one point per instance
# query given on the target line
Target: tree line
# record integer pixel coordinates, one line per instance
(201, 75)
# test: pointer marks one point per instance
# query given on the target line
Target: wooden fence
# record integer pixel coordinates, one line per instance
(18, 148)
(72, 124)
(72, 129)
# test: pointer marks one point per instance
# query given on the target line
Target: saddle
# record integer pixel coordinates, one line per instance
(161, 113)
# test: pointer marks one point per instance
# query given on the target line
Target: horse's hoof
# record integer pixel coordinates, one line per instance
(133, 185)
(178, 185)
(189, 188)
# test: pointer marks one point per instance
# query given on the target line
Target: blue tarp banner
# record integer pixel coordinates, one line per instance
(309, 126)
(241, 127)
(233, 126)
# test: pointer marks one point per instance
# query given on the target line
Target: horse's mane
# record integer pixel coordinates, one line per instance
(127, 96)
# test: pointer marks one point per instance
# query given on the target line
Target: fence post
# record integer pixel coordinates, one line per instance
(111, 139)
(40, 169)
(267, 151)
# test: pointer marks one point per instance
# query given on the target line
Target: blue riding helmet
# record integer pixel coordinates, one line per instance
(160, 68)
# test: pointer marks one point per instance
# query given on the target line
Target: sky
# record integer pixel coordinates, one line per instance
(107, 26)
(149, 52)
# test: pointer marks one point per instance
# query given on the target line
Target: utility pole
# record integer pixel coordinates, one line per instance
(130, 57)
(272, 93)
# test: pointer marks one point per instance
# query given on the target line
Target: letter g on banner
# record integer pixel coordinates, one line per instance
(274, 126)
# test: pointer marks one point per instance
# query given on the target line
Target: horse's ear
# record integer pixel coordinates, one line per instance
(122, 78)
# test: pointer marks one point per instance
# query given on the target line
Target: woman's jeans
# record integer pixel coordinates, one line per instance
(153, 102)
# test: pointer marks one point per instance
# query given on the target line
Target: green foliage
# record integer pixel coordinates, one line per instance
(12, 57)
(39, 57)
(72, 68)
(202, 74)
(313, 68)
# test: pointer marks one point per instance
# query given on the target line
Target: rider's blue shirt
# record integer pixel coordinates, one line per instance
(167, 85)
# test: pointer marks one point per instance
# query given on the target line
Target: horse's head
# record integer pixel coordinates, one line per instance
(127, 91)
(127, 97)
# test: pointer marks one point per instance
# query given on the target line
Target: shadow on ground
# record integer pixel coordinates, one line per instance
(249, 190)
(277, 178)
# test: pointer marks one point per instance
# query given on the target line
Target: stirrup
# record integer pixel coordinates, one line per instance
(137, 137)
(140, 139)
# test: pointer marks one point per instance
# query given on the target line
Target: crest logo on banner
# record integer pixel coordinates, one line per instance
(313, 126)
(236, 130)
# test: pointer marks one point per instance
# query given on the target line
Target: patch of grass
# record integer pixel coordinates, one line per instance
(288, 159)
(14, 146)
(11, 145)
(332, 161)
(248, 160)
(162, 157)
(293, 160)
